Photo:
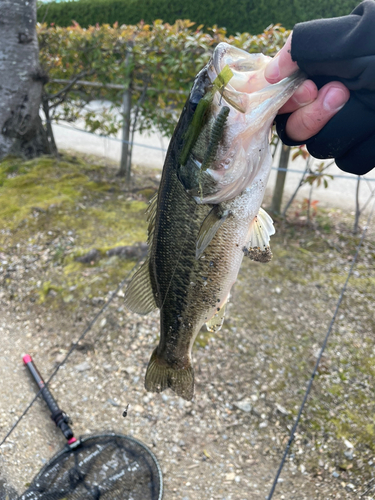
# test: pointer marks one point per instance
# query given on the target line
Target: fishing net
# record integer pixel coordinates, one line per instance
(106, 467)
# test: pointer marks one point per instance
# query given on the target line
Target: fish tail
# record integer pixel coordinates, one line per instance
(161, 376)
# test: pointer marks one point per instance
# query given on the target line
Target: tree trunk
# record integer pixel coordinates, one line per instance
(126, 151)
(21, 80)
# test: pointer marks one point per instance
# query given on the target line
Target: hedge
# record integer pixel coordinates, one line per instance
(163, 59)
(236, 16)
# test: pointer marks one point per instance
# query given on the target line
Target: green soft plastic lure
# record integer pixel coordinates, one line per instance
(200, 114)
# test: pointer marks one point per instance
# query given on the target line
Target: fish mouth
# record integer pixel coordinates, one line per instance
(248, 88)
(247, 70)
(250, 105)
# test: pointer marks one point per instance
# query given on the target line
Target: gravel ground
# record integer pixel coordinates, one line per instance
(250, 377)
(204, 447)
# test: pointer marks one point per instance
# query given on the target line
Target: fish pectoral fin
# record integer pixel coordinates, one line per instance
(260, 231)
(217, 320)
(161, 376)
(210, 226)
(139, 296)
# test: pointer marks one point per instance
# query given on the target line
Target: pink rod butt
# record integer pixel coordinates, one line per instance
(27, 358)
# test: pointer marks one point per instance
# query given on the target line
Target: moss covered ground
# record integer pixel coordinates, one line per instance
(60, 209)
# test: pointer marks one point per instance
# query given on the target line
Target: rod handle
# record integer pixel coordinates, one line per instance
(57, 415)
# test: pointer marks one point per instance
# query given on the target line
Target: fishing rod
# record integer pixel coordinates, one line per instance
(60, 418)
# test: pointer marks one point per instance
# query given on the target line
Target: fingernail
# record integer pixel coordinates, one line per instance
(302, 96)
(272, 71)
(334, 99)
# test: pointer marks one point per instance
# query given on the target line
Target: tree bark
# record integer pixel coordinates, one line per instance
(21, 81)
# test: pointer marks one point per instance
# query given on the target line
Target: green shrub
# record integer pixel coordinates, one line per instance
(236, 16)
(164, 60)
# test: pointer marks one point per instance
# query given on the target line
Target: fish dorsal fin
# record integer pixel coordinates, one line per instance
(139, 296)
(260, 231)
(151, 216)
(217, 320)
(210, 226)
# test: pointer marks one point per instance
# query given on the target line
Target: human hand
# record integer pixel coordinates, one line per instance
(311, 108)
(333, 113)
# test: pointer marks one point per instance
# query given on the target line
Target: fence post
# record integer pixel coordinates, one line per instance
(280, 180)
(125, 163)
(357, 207)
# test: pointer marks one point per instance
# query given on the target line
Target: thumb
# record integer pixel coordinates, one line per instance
(282, 64)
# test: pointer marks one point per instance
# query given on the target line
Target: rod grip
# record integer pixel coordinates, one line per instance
(57, 415)
(47, 396)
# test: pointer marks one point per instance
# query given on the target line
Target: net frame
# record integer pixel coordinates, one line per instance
(68, 449)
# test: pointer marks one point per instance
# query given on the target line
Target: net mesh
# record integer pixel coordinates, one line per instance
(102, 467)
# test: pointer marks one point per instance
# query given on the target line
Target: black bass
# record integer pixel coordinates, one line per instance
(206, 215)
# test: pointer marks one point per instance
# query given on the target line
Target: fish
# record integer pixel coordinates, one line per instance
(207, 215)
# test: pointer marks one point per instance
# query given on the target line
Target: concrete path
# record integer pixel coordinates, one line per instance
(148, 151)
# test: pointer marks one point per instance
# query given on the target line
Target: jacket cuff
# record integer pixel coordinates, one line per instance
(280, 121)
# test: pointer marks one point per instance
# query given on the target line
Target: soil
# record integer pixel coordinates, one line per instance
(250, 377)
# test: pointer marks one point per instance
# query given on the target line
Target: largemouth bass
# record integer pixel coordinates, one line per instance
(206, 215)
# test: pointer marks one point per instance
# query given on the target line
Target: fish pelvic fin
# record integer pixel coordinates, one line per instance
(161, 376)
(261, 229)
(217, 320)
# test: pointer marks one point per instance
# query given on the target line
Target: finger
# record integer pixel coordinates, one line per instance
(309, 120)
(305, 94)
(281, 65)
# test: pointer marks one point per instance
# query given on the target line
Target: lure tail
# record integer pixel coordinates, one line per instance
(161, 376)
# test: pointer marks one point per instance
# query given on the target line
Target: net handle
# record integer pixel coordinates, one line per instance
(58, 416)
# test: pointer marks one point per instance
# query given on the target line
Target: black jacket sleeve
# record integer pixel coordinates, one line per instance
(341, 49)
